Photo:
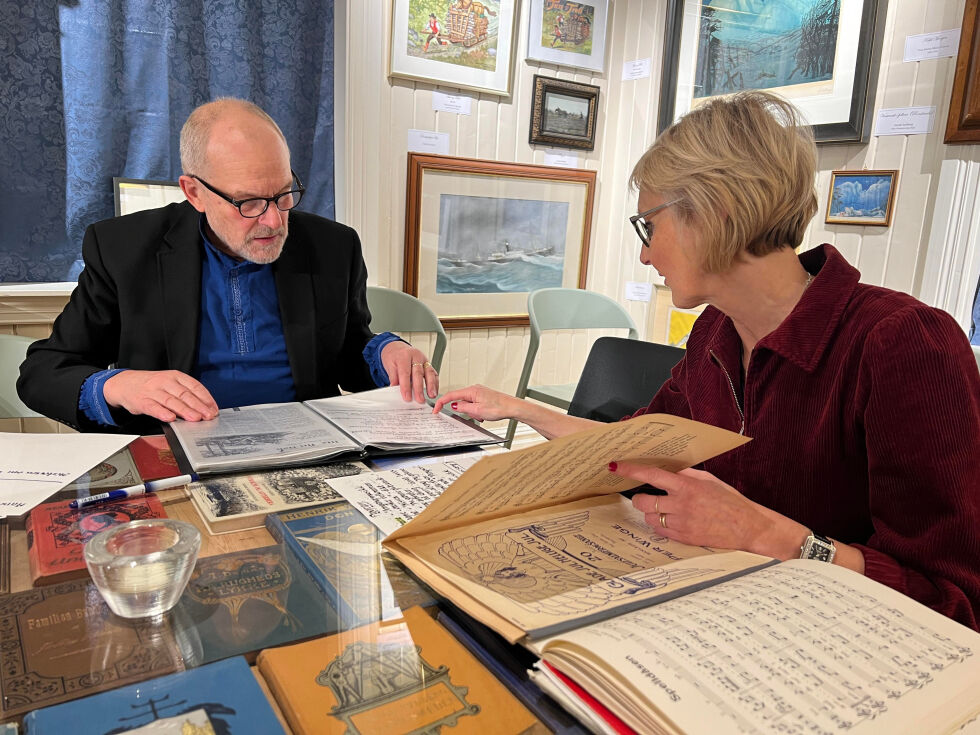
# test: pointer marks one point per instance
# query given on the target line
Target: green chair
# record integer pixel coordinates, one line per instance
(13, 348)
(394, 311)
(564, 308)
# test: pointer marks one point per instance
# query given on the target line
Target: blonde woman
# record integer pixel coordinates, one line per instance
(863, 403)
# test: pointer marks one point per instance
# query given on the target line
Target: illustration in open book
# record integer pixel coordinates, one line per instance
(552, 567)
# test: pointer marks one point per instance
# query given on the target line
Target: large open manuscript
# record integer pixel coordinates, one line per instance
(535, 541)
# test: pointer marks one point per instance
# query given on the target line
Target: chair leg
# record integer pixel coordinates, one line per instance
(511, 431)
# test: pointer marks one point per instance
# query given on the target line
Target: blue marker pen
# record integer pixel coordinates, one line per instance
(134, 491)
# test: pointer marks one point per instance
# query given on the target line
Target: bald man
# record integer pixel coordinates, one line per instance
(231, 298)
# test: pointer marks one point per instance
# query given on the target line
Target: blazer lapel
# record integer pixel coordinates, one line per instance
(179, 261)
(297, 308)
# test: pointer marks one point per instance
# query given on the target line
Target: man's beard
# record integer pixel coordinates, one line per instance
(264, 253)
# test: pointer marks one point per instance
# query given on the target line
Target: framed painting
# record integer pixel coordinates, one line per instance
(480, 235)
(861, 197)
(963, 122)
(822, 55)
(461, 43)
(134, 195)
(569, 33)
(563, 113)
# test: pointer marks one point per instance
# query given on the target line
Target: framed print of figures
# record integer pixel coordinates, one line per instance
(480, 235)
(563, 113)
(861, 197)
(569, 33)
(461, 43)
(822, 55)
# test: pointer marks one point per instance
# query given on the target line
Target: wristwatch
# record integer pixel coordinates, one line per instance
(818, 547)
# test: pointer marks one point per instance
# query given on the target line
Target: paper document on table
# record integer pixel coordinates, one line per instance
(35, 466)
(382, 419)
(569, 468)
(391, 498)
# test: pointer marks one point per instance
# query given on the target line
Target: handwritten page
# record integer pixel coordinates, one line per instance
(569, 468)
(798, 647)
(35, 466)
(380, 418)
(391, 498)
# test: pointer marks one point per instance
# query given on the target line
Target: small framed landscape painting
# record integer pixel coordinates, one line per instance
(563, 113)
(861, 197)
(569, 33)
(461, 43)
(481, 235)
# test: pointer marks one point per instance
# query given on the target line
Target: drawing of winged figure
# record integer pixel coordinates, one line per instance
(531, 565)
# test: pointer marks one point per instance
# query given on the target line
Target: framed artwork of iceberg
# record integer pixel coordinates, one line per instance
(861, 197)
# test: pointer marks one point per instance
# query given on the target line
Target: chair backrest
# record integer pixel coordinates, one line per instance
(620, 376)
(13, 348)
(394, 311)
(976, 354)
(569, 308)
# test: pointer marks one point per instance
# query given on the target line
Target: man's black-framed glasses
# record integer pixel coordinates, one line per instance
(256, 206)
(644, 229)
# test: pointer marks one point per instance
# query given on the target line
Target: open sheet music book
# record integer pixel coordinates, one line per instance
(351, 426)
(799, 647)
(538, 540)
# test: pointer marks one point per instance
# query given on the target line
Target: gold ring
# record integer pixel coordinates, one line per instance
(417, 364)
(663, 520)
(426, 364)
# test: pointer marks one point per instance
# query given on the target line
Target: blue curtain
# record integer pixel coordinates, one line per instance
(99, 88)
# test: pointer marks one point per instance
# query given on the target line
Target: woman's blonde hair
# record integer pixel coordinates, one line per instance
(742, 169)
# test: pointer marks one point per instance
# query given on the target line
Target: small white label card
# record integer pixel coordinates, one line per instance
(458, 103)
(560, 158)
(638, 291)
(428, 141)
(905, 120)
(932, 45)
(639, 69)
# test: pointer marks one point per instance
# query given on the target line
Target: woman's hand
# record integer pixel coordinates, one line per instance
(481, 403)
(701, 510)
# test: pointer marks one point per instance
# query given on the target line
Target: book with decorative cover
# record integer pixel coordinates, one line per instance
(340, 551)
(238, 502)
(61, 642)
(222, 697)
(153, 457)
(116, 471)
(242, 602)
(57, 533)
(406, 675)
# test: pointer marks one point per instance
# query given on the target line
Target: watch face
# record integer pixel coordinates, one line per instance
(818, 549)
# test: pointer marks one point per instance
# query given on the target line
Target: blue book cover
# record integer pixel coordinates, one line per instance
(224, 695)
(341, 552)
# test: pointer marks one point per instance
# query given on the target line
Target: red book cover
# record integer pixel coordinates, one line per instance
(594, 704)
(153, 457)
(57, 533)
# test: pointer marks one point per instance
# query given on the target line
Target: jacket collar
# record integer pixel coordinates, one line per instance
(803, 336)
(293, 271)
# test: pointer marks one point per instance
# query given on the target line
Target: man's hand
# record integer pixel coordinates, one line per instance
(410, 370)
(163, 394)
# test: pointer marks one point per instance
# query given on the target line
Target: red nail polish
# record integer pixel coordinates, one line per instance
(454, 405)
(613, 466)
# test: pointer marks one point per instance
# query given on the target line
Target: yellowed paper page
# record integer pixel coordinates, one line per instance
(566, 566)
(803, 643)
(569, 468)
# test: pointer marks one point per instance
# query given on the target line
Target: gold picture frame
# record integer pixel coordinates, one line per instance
(861, 198)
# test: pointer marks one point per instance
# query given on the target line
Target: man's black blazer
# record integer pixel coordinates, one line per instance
(137, 305)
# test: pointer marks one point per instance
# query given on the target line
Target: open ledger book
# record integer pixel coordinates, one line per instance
(283, 434)
(799, 647)
(538, 540)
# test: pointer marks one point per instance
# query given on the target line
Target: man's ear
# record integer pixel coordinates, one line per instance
(193, 190)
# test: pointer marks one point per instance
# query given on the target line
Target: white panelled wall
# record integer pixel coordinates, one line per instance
(378, 112)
